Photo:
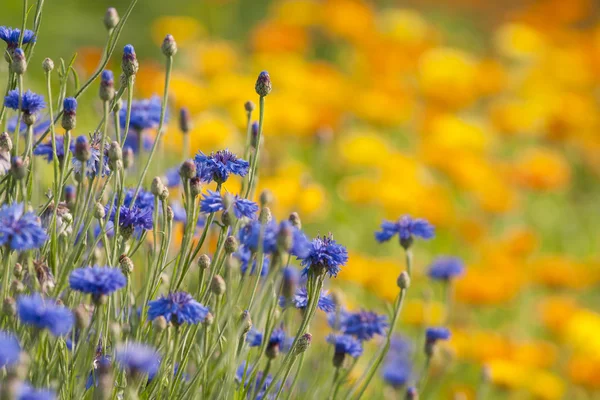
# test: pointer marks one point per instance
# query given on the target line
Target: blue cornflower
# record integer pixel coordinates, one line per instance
(144, 199)
(245, 257)
(213, 202)
(407, 228)
(97, 281)
(107, 77)
(70, 105)
(300, 300)
(44, 314)
(397, 371)
(178, 308)
(138, 358)
(145, 114)
(12, 35)
(362, 324)
(218, 166)
(133, 218)
(346, 344)
(445, 268)
(255, 338)
(92, 165)
(326, 255)
(432, 335)
(27, 392)
(250, 233)
(179, 214)
(20, 230)
(10, 349)
(45, 149)
(171, 177)
(132, 141)
(38, 127)
(31, 103)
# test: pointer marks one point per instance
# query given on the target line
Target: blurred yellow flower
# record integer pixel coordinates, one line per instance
(519, 41)
(215, 58)
(542, 169)
(183, 28)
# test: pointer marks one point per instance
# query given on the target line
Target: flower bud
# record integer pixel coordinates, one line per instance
(83, 150)
(169, 46)
(19, 63)
(69, 117)
(217, 285)
(170, 214)
(48, 65)
(184, 120)
(285, 237)
(209, 319)
(245, 321)
(130, 63)
(204, 261)
(29, 118)
(126, 264)
(99, 211)
(272, 350)
(195, 186)
(5, 142)
(17, 287)
(263, 84)
(99, 300)
(265, 215)
(160, 323)
(115, 153)
(231, 245)
(9, 307)
(249, 106)
(303, 343)
(70, 194)
(412, 394)
(82, 317)
(18, 271)
(228, 201)
(128, 157)
(18, 168)
(226, 218)
(403, 280)
(107, 86)
(254, 135)
(295, 220)
(156, 187)
(164, 194)
(266, 198)
(111, 18)
(187, 170)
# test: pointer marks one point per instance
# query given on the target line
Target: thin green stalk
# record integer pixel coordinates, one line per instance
(255, 159)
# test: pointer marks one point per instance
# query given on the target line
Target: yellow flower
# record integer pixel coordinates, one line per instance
(448, 76)
(581, 332)
(546, 386)
(406, 27)
(542, 169)
(184, 29)
(365, 149)
(585, 370)
(279, 37)
(215, 57)
(210, 132)
(519, 41)
(508, 374)
(556, 311)
(556, 271)
(422, 313)
(297, 12)
(337, 14)
(486, 287)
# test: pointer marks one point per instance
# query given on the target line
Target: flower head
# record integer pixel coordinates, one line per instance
(446, 268)
(27, 392)
(346, 344)
(97, 281)
(12, 36)
(325, 254)
(213, 202)
(362, 324)
(70, 105)
(397, 368)
(138, 358)
(132, 218)
(10, 349)
(44, 314)
(218, 166)
(245, 257)
(178, 308)
(20, 230)
(38, 127)
(45, 149)
(30, 103)
(145, 114)
(251, 232)
(407, 229)
(92, 165)
(300, 300)
(435, 334)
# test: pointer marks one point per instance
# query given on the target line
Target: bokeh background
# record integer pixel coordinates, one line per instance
(482, 118)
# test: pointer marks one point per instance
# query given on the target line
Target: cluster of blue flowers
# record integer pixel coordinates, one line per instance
(219, 165)
(177, 308)
(19, 229)
(12, 36)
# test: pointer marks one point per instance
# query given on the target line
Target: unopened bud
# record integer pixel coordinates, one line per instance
(130, 63)
(111, 18)
(126, 264)
(48, 65)
(128, 157)
(115, 153)
(303, 343)
(403, 280)
(263, 84)
(19, 63)
(231, 245)
(99, 211)
(160, 323)
(170, 214)
(254, 135)
(226, 218)
(69, 117)
(184, 120)
(18, 271)
(187, 170)
(18, 168)
(169, 46)
(17, 287)
(118, 105)
(266, 198)
(164, 194)
(209, 319)
(83, 150)
(107, 86)
(5, 142)
(249, 106)
(156, 187)
(82, 317)
(285, 236)
(217, 285)
(204, 261)
(245, 321)
(195, 186)
(9, 307)
(295, 220)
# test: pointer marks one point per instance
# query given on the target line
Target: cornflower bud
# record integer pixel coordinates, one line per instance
(254, 135)
(9, 307)
(17, 286)
(263, 84)
(295, 220)
(249, 106)
(209, 319)
(245, 321)
(19, 63)
(128, 157)
(217, 285)
(265, 215)
(111, 18)
(187, 170)
(226, 218)
(48, 65)
(126, 264)
(130, 63)
(164, 194)
(105, 380)
(70, 194)
(5, 142)
(99, 211)
(266, 198)
(156, 187)
(82, 317)
(18, 271)
(231, 245)
(403, 280)
(107, 86)
(69, 117)
(204, 261)
(169, 46)
(285, 238)
(184, 120)
(160, 323)
(303, 343)
(412, 394)
(83, 150)
(115, 153)
(195, 186)
(170, 214)
(18, 168)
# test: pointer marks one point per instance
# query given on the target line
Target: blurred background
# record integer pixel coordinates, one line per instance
(480, 116)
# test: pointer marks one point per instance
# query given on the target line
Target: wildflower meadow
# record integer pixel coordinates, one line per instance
(299, 199)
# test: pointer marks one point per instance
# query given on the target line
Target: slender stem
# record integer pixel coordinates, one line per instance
(255, 159)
